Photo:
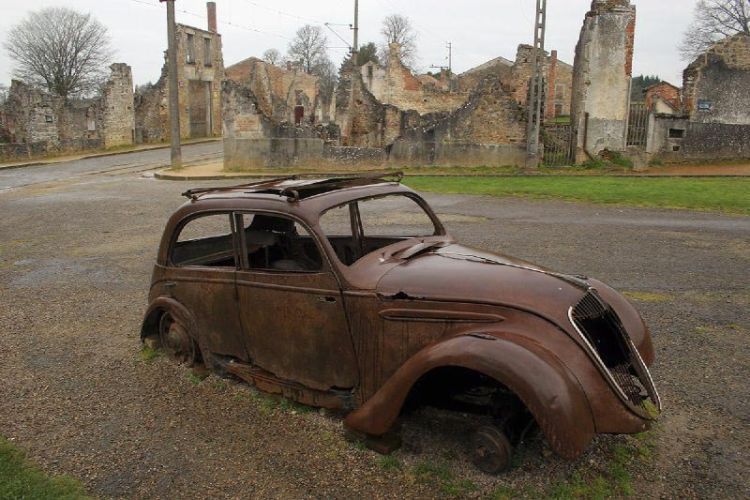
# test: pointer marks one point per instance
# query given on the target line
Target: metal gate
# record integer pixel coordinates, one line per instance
(638, 125)
(558, 151)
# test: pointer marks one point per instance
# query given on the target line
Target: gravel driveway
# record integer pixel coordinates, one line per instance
(77, 395)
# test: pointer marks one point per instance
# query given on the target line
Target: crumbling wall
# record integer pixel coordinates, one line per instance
(152, 112)
(717, 84)
(715, 121)
(499, 68)
(33, 115)
(279, 91)
(117, 115)
(490, 129)
(200, 73)
(50, 124)
(602, 77)
(397, 86)
(253, 140)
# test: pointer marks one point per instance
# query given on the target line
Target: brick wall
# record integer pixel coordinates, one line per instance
(667, 93)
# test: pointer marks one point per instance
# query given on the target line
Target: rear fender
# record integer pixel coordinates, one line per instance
(157, 308)
(548, 389)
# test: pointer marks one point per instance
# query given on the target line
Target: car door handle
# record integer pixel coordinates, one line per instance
(327, 299)
(169, 285)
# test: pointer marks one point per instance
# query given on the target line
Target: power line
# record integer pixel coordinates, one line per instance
(227, 23)
(283, 13)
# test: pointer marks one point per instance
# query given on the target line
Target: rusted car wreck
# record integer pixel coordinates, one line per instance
(348, 294)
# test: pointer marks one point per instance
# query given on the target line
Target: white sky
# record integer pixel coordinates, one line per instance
(479, 29)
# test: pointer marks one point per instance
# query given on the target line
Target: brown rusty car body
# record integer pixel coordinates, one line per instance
(370, 323)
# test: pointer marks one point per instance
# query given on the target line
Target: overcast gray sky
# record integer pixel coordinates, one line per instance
(479, 29)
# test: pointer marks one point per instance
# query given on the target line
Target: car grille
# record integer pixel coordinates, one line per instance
(614, 352)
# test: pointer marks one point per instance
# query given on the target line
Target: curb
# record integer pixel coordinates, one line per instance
(102, 155)
(186, 177)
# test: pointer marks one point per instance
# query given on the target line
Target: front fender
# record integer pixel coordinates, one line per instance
(547, 388)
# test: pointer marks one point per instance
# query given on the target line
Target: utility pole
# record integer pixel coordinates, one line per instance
(536, 86)
(355, 46)
(450, 58)
(174, 102)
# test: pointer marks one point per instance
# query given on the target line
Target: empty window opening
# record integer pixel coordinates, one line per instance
(275, 243)
(676, 133)
(207, 52)
(205, 241)
(365, 226)
(299, 115)
(190, 51)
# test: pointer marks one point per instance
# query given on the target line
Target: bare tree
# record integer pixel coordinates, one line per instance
(398, 29)
(309, 47)
(272, 56)
(714, 21)
(60, 49)
(325, 70)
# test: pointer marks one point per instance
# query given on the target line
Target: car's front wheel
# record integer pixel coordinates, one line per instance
(491, 450)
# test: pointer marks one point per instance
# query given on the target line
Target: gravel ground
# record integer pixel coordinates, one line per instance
(77, 395)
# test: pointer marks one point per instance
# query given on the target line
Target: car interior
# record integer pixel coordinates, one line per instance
(272, 243)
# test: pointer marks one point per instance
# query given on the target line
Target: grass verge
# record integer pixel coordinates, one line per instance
(728, 195)
(20, 479)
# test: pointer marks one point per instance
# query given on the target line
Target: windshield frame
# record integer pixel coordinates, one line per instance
(358, 231)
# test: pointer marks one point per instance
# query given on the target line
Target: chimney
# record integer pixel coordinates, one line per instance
(211, 8)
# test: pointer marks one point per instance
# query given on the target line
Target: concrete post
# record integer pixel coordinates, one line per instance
(174, 103)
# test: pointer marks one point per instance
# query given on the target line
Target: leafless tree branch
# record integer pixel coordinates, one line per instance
(714, 21)
(398, 29)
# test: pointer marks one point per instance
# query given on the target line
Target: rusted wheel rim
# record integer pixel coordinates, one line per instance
(175, 341)
(491, 450)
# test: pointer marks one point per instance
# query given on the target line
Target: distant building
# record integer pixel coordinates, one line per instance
(200, 73)
(664, 98)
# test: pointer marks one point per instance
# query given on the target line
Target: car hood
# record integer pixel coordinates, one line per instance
(462, 274)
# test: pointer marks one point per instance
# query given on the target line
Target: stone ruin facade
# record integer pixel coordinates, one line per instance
(200, 73)
(602, 77)
(713, 119)
(379, 115)
(39, 123)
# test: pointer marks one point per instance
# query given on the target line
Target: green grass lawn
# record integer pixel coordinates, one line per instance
(20, 479)
(729, 195)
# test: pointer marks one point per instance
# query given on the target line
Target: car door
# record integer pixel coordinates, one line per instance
(202, 272)
(291, 305)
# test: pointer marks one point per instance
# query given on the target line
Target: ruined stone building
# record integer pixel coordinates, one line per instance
(386, 113)
(200, 68)
(283, 94)
(394, 84)
(39, 123)
(714, 119)
(664, 98)
(557, 82)
(602, 78)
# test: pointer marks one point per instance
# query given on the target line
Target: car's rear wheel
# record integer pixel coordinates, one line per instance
(491, 450)
(175, 340)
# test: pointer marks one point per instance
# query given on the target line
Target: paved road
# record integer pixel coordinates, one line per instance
(75, 263)
(124, 163)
